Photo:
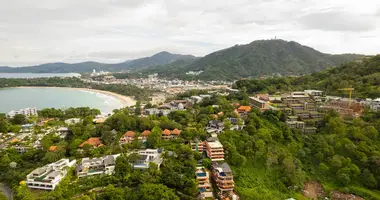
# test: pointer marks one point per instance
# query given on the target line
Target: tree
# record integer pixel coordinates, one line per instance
(156, 192)
(19, 119)
(138, 108)
(4, 125)
(123, 168)
(154, 139)
(107, 137)
(23, 193)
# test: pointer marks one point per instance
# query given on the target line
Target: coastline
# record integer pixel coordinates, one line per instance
(125, 100)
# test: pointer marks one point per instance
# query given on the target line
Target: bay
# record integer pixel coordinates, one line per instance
(46, 97)
(37, 75)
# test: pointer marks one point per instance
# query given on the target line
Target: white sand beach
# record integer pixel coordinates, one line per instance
(125, 100)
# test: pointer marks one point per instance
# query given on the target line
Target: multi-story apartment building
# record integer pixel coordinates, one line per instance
(96, 166)
(198, 146)
(203, 179)
(49, 176)
(259, 103)
(214, 150)
(296, 124)
(26, 111)
(222, 175)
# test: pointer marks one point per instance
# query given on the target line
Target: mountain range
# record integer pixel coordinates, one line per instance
(84, 67)
(258, 58)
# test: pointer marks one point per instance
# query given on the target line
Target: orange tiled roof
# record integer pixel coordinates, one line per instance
(244, 108)
(166, 132)
(176, 132)
(93, 142)
(14, 140)
(146, 133)
(52, 148)
(129, 134)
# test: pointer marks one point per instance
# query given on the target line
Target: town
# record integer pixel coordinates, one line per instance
(146, 136)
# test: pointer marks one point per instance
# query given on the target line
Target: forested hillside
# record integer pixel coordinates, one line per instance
(259, 58)
(363, 75)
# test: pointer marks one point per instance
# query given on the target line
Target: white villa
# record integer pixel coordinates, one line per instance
(48, 176)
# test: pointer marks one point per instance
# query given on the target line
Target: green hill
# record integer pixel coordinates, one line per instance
(260, 58)
(363, 75)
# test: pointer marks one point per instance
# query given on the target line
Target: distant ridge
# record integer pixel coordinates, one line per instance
(83, 67)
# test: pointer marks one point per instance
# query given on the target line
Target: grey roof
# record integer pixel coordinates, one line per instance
(39, 171)
(79, 167)
(109, 160)
(224, 166)
(233, 120)
(54, 174)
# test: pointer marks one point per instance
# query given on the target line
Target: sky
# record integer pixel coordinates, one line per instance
(111, 31)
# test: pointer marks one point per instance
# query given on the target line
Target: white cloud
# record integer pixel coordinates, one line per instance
(33, 32)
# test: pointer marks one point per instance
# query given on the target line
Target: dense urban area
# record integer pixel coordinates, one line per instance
(306, 137)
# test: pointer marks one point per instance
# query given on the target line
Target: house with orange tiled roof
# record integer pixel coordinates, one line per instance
(166, 134)
(127, 137)
(144, 135)
(175, 133)
(244, 109)
(55, 148)
(93, 142)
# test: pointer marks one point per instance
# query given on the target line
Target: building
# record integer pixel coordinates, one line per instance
(244, 109)
(310, 130)
(49, 176)
(128, 137)
(258, 103)
(96, 166)
(148, 156)
(21, 148)
(214, 150)
(26, 111)
(215, 126)
(144, 135)
(237, 123)
(167, 134)
(223, 177)
(314, 93)
(204, 186)
(296, 124)
(198, 146)
(72, 121)
(93, 142)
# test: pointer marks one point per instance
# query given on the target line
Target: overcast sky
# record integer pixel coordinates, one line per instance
(40, 31)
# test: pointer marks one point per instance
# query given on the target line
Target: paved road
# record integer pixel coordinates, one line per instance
(7, 191)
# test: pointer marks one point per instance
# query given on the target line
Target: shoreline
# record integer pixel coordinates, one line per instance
(125, 100)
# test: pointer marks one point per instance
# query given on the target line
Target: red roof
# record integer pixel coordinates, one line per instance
(95, 142)
(166, 132)
(146, 133)
(176, 132)
(129, 134)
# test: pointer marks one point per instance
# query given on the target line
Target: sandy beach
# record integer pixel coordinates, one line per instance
(126, 100)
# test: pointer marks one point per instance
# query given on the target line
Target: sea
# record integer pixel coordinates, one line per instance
(19, 98)
(37, 75)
